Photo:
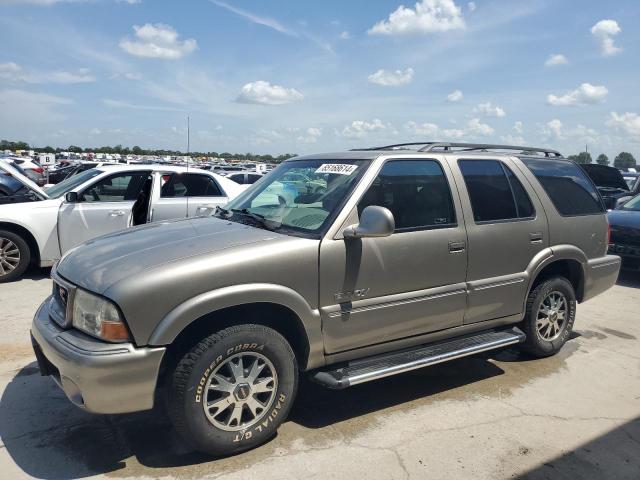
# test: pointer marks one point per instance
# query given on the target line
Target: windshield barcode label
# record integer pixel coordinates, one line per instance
(338, 168)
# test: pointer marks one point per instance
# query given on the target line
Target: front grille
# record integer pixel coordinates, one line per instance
(61, 301)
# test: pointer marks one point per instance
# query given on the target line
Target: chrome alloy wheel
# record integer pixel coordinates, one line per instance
(240, 391)
(552, 315)
(9, 256)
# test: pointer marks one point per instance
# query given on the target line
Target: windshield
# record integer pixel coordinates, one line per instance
(298, 196)
(633, 204)
(71, 183)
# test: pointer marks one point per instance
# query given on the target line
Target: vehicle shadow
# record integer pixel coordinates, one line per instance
(48, 438)
(612, 455)
(628, 278)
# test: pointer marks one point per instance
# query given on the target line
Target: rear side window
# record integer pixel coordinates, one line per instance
(415, 191)
(567, 185)
(189, 185)
(495, 192)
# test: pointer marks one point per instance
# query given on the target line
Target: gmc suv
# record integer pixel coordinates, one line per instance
(378, 262)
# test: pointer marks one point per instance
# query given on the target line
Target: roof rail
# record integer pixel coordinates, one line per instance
(467, 147)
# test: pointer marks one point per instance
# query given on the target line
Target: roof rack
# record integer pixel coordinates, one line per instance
(467, 147)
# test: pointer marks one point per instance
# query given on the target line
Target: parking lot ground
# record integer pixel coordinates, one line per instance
(501, 415)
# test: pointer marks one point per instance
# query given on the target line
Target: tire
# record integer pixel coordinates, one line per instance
(15, 256)
(210, 363)
(544, 338)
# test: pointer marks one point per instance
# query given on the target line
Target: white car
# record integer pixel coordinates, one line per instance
(100, 201)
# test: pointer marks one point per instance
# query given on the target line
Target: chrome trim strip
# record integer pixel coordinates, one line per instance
(396, 303)
(425, 362)
(71, 292)
(499, 284)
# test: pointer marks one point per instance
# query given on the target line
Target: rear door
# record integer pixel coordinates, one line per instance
(103, 207)
(172, 200)
(506, 228)
(203, 194)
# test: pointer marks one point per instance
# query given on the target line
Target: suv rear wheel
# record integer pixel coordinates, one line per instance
(232, 390)
(15, 256)
(549, 318)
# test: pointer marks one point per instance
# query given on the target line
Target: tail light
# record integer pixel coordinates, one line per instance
(38, 170)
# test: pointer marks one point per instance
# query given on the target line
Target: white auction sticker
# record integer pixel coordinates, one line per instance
(338, 168)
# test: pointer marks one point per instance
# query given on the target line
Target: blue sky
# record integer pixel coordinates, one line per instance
(303, 76)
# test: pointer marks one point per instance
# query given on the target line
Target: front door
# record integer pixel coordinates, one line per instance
(375, 290)
(104, 207)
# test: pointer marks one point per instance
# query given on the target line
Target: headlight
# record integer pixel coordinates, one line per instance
(98, 317)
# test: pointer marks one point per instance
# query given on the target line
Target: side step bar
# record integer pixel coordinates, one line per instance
(385, 365)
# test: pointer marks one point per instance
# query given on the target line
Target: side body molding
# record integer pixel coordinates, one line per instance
(187, 312)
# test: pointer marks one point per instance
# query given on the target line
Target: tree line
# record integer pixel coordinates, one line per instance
(622, 160)
(136, 150)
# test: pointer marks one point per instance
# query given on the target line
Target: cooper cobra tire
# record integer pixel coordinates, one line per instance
(549, 318)
(15, 256)
(249, 374)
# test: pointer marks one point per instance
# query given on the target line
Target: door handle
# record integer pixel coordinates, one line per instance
(535, 237)
(116, 213)
(457, 247)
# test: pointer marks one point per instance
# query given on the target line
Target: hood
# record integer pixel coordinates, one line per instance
(624, 219)
(101, 262)
(6, 167)
(605, 177)
(27, 182)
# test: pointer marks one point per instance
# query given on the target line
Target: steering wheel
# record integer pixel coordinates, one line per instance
(95, 196)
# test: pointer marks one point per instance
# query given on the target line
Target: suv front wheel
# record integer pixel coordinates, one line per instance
(549, 318)
(232, 390)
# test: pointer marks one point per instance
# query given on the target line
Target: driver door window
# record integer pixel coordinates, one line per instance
(116, 188)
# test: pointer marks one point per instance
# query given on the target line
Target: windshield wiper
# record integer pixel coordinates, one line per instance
(264, 221)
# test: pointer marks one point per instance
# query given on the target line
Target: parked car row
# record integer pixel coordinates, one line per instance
(98, 201)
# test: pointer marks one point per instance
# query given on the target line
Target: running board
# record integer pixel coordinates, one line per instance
(380, 366)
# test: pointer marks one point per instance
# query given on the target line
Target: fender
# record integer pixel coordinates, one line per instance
(553, 254)
(184, 314)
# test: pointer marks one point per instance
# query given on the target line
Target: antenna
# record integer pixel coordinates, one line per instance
(188, 135)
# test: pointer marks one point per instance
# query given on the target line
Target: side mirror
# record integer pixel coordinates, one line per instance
(71, 197)
(375, 221)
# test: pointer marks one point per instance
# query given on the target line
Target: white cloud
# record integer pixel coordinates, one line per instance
(518, 127)
(489, 110)
(556, 130)
(13, 72)
(130, 2)
(472, 6)
(628, 123)
(345, 35)
(603, 32)
(388, 78)
(473, 128)
(555, 60)
(80, 76)
(585, 94)
(361, 128)
(28, 108)
(253, 18)
(157, 41)
(428, 16)
(39, 2)
(455, 96)
(264, 93)
(311, 135)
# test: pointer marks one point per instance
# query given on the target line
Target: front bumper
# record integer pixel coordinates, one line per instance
(97, 376)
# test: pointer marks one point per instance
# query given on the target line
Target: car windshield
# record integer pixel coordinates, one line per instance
(633, 204)
(71, 183)
(299, 196)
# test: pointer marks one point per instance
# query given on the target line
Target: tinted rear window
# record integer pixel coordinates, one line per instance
(567, 185)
